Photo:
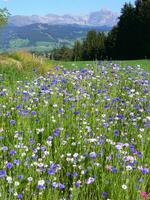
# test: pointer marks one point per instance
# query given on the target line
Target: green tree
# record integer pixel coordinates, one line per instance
(77, 51)
(91, 45)
(130, 39)
(4, 15)
(100, 44)
(63, 53)
(126, 35)
(110, 43)
(143, 16)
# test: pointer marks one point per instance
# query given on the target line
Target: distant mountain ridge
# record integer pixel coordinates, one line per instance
(44, 36)
(52, 31)
(103, 17)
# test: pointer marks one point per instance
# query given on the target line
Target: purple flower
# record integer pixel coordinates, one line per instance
(101, 142)
(2, 173)
(20, 177)
(33, 113)
(75, 174)
(92, 155)
(68, 174)
(77, 112)
(145, 171)
(104, 194)
(40, 187)
(56, 68)
(78, 183)
(55, 185)
(4, 148)
(17, 162)
(90, 180)
(31, 140)
(147, 125)
(9, 165)
(120, 116)
(57, 132)
(51, 171)
(12, 122)
(116, 132)
(61, 186)
(12, 152)
(19, 196)
(114, 169)
(132, 149)
(50, 138)
(41, 184)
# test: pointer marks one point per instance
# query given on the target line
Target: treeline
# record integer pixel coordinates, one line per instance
(129, 39)
(93, 47)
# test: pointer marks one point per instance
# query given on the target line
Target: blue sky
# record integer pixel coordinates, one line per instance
(60, 7)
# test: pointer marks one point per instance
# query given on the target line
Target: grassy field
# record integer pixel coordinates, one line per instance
(70, 134)
(20, 65)
(145, 64)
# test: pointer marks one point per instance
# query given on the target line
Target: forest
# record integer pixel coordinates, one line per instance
(129, 39)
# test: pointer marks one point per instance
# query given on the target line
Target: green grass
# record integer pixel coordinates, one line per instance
(145, 64)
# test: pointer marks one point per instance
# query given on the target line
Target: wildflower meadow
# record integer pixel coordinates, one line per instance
(76, 134)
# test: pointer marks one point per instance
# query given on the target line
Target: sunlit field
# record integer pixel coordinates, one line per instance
(80, 132)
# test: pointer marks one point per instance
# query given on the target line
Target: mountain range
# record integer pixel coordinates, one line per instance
(103, 17)
(44, 33)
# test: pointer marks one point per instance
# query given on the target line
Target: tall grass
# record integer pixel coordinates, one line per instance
(22, 65)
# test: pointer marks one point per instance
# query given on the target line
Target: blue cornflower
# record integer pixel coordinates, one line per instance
(68, 174)
(12, 152)
(114, 169)
(31, 140)
(51, 171)
(57, 132)
(17, 162)
(20, 177)
(116, 132)
(61, 186)
(145, 171)
(4, 148)
(120, 116)
(77, 112)
(19, 196)
(78, 183)
(2, 173)
(75, 174)
(12, 122)
(104, 194)
(92, 155)
(33, 113)
(56, 68)
(9, 165)
(55, 184)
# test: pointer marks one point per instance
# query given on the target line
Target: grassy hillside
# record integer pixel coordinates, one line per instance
(43, 37)
(22, 66)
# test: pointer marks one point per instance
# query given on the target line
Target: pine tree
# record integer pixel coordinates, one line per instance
(77, 51)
